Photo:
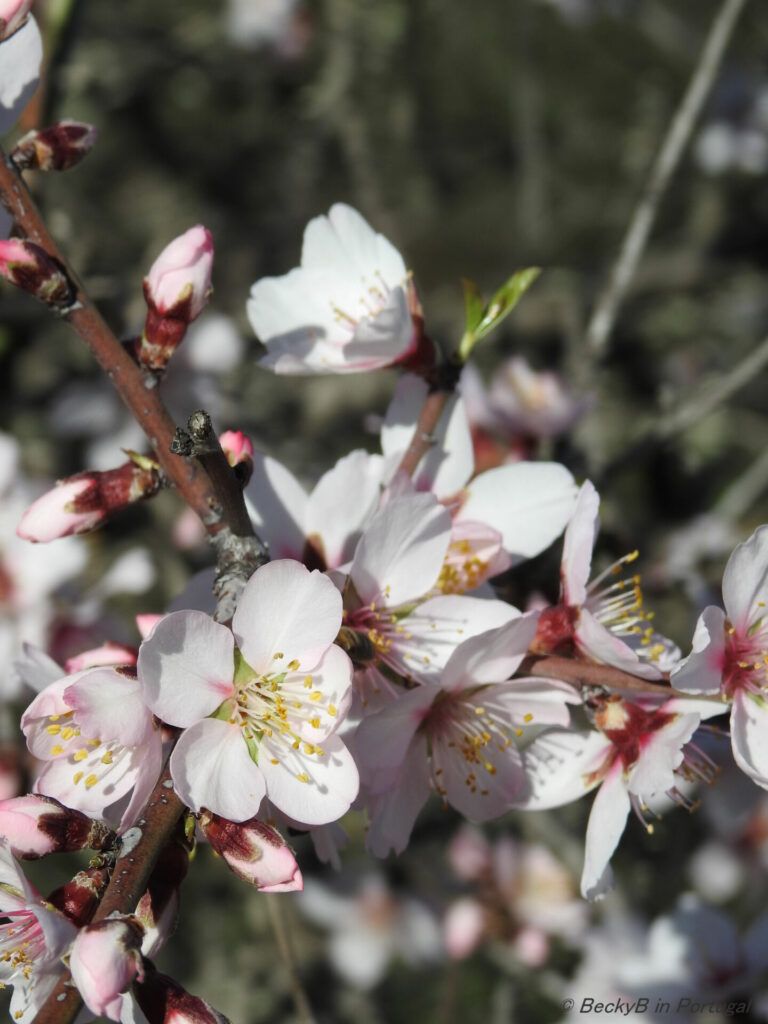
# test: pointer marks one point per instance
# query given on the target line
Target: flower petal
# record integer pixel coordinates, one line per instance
(598, 643)
(702, 670)
(578, 543)
(186, 667)
(277, 504)
(745, 580)
(493, 656)
(749, 729)
(393, 813)
(331, 781)
(607, 821)
(342, 502)
(110, 706)
(654, 771)
(562, 766)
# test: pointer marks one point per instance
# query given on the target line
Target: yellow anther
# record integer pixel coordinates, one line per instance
(77, 776)
(316, 696)
(107, 758)
(81, 754)
(333, 710)
(278, 655)
(53, 730)
(91, 781)
(303, 777)
(56, 750)
(293, 665)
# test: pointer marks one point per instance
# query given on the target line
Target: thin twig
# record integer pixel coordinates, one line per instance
(674, 144)
(300, 999)
(423, 434)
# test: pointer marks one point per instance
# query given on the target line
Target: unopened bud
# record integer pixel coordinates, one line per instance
(13, 14)
(108, 654)
(57, 148)
(79, 898)
(29, 267)
(82, 502)
(254, 851)
(164, 1001)
(238, 449)
(38, 825)
(105, 961)
(176, 290)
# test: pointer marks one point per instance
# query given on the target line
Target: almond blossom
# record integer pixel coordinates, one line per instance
(347, 308)
(604, 619)
(640, 749)
(730, 654)
(33, 938)
(260, 703)
(457, 737)
(101, 749)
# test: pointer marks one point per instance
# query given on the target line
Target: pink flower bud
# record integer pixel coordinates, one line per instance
(163, 1001)
(463, 928)
(38, 825)
(104, 962)
(57, 148)
(254, 851)
(238, 449)
(108, 654)
(29, 267)
(13, 14)
(176, 290)
(78, 898)
(82, 502)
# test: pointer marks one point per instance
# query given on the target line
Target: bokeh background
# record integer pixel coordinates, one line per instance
(480, 139)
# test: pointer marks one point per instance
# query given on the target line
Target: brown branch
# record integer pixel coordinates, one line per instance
(423, 434)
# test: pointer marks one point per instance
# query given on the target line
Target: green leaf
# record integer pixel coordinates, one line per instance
(482, 318)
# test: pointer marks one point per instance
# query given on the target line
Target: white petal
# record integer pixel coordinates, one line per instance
(331, 786)
(345, 242)
(493, 656)
(745, 580)
(607, 821)
(578, 543)
(449, 463)
(702, 670)
(383, 740)
(110, 707)
(562, 766)
(749, 736)
(401, 552)
(186, 667)
(20, 58)
(654, 771)
(212, 768)
(480, 790)
(529, 503)
(394, 813)
(532, 702)
(332, 677)
(598, 643)
(286, 612)
(342, 503)
(277, 504)
(35, 669)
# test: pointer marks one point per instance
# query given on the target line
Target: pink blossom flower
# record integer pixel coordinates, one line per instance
(457, 737)
(730, 654)
(20, 57)
(254, 851)
(346, 309)
(604, 619)
(464, 927)
(179, 281)
(104, 962)
(99, 743)
(640, 750)
(259, 719)
(35, 826)
(33, 938)
(526, 402)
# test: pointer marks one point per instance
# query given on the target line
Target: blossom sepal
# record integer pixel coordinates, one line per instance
(29, 267)
(254, 851)
(78, 898)
(56, 148)
(36, 826)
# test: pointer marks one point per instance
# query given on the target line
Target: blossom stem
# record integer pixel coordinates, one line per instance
(277, 921)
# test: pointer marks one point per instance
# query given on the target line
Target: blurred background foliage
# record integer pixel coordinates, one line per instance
(479, 138)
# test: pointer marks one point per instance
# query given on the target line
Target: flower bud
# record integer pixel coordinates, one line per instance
(78, 898)
(38, 825)
(464, 927)
(108, 654)
(176, 290)
(13, 14)
(29, 267)
(254, 851)
(163, 1001)
(82, 502)
(238, 449)
(104, 962)
(57, 148)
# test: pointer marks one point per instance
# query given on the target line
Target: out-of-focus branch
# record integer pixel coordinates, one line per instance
(672, 148)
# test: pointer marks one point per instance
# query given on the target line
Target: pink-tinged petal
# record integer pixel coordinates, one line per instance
(400, 554)
(382, 741)
(286, 612)
(310, 789)
(186, 667)
(277, 504)
(476, 554)
(449, 463)
(749, 736)
(332, 678)
(531, 702)
(20, 58)
(99, 657)
(704, 707)
(146, 622)
(491, 657)
(341, 504)
(433, 631)
(36, 669)
(150, 761)
(110, 706)
(654, 771)
(212, 769)
(599, 644)
(529, 503)
(607, 821)
(393, 814)
(35, 719)
(64, 779)
(562, 766)
(745, 581)
(480, 789)
(702, 670)
(464, 927)
(578, 543)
